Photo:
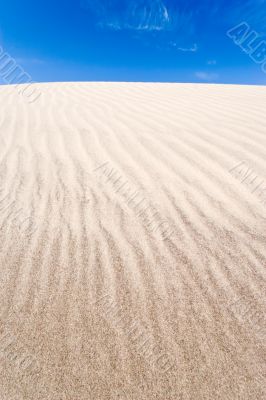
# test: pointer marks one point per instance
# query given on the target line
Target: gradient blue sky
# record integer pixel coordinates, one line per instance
(131, 40)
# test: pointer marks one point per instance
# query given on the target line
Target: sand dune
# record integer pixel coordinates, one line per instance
(132, 234)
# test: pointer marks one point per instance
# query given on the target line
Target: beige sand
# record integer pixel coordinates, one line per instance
(133, 247)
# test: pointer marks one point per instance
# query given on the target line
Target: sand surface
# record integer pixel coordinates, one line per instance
(133, 242)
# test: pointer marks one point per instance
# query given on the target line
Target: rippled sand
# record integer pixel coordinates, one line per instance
(132, 248)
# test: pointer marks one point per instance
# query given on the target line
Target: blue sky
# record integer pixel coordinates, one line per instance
(132, 40)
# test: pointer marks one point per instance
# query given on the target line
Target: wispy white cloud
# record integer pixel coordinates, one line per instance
(207, 76)
(184, 16)
(192, 49)
(139, 15)
(152, 15)
(211, 62)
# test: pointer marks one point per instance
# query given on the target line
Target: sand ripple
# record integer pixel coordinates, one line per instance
(97, 301)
